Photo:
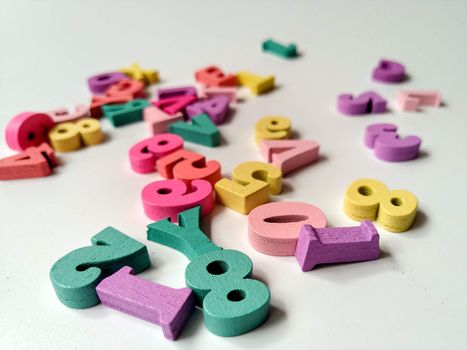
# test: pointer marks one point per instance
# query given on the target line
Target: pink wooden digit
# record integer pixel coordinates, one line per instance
(168, 307)
(28, 129)
(144, 154)
(60, 115)
(410, 100)
(273, 228)
(289, 155)
(168, 198)
(158, 121)
(230, 92)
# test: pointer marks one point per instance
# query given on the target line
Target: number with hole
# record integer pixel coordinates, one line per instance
(369, 199)
(232, 302)
(67, 137)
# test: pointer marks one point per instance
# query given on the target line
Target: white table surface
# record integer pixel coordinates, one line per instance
(414, 297)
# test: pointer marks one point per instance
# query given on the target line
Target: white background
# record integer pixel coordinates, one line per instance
(414, 297)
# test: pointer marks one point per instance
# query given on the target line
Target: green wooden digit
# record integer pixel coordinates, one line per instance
(202, 130)
(125, 113)
(232, 303)
(76, 275)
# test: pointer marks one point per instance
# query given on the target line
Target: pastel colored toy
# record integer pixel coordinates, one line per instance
(388, 71)
(125, 113)
(188, 166)
(257, 84)
(272, 46)
(144, 154)
(250, 186)
(28, 129)
(168, 307)
(387, 145)
(368, 199)
(216, 108)
(167, 198)
(201, 131)
(232, 302)
(158, 121)
(273, 228)
(272, 128)
(67, 137)
(60, 115)
(99, 83)
(173, 105)
(76, 275)
(176, 92)
(289, 155)
(213, 76)
(98, 101)
(367, 102)
(230, 92)
(31, 163)
(336, 245)
(147, 76)
(411, 100)
(126, 87)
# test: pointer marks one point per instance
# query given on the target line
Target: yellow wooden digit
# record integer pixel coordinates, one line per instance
(90, 130)
(272, 128)
(65, 137)
(257, 84)
(250, 186)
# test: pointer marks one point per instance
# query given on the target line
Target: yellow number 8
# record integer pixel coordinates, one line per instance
(369, 199)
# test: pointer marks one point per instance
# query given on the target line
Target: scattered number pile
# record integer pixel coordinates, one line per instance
(218, 280)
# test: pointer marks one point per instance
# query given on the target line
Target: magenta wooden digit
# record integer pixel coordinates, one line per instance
(167, 198)
(144, 154)
(273, 228)
(336, 244)
(368, 102)
(176, 92)
(28, 129)
(99, 83)
(389, 71)
(168, 307)
(387, 145)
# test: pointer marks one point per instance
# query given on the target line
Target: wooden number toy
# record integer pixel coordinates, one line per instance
(411, 100)
(28, 129)
(387, 145)
(33, 162)
(125, 113)
(216, 108)
(256, 84)
(98, 101)
(126, 88)
(232, 302)
(168, 198)
(176, 92)
(213, 76)
(201, 131)
(99, 83)
(76, 275)
(188, 166)
(336, 245)
(367, 102)
(278, 49)
(61, 115)
(173, 105)
(147, 76)
(168, 307)
(273, 228)
(368, 199)
(67, 137)
(230, 92)
(144, 154)
(272, 128)
(250, 186)
(388, 71)
(158, 121)
(289, 155)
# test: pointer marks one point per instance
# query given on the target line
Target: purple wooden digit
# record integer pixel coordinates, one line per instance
(170, 308)
(99, 83)
(389, 72)
(176, 92)
(388, 146)
(216, 107)
(368, 102)
(336, 245)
